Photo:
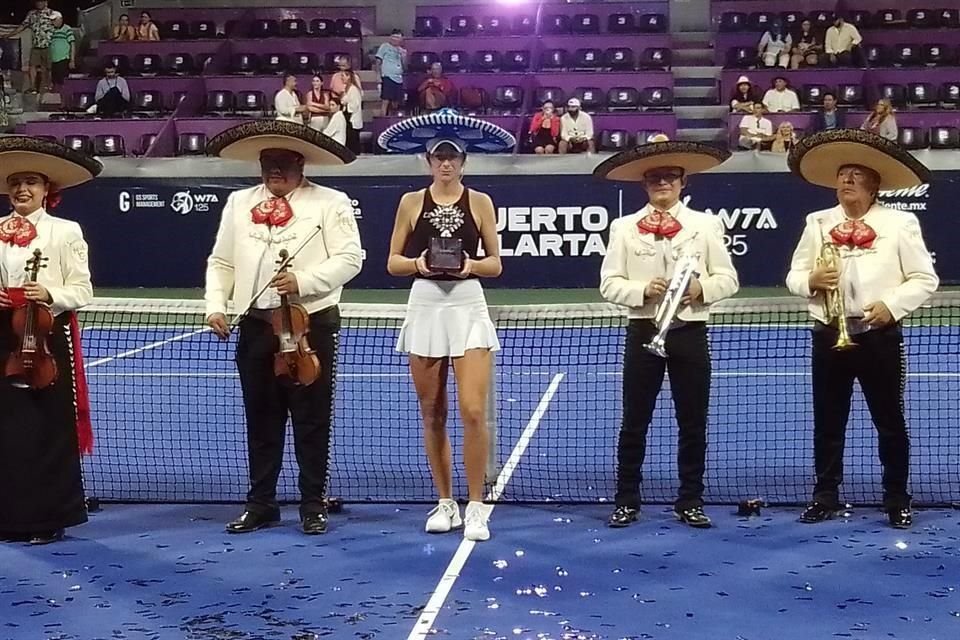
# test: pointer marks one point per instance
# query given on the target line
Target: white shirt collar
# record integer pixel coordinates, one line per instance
(34, 217)
(674, 210)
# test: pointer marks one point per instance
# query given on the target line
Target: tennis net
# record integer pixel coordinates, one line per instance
(168, 413)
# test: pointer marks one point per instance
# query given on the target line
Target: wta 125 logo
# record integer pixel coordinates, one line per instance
(738, 221)
(184, 202)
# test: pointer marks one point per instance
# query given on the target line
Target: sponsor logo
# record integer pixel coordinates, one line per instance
(184, 202)
(912, 199)
(127, 201)
(552, 231)
(357, 210)
(738, 221)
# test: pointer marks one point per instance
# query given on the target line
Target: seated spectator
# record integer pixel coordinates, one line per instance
(829, 118)
(784, 138)
(437, 91)
(743, 96)
(112, 95)
(287, 102)
(881, 121)
(781, 98)
(774, 47)
(755, 130)
(63, 51)
(545, 129)
(842, 44)
(341, 79)
(352, 101)
(123, 31)
(337, 124)
(319, 106)
(147, 30)
(806, 48)
(576, 130)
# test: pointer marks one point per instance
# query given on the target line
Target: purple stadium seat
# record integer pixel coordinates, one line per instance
(146, 141)
(463, 25)
(557, 24)
(760, 21)
(890, 18)
(348, 28)
(524, 25)
(323, 28)
(180, 64)
(732, 21)
(150, 101)
(81, 101)
(656, 99)
(811, 95)
(518, 60)
(293, 28)
(203, 29)
(549, 94)
(251, 102)
(922, 19)
(850, 95)
(304, 62)
(420, 61)
(620, 59)
(245, 63)
(263, 28)
(219, 103)
(495, 26)
(906, 55)
(950, 95)
(877, 55)
(554, 59)
(109, 145)
(623, 99)
(147, 64)
(621, 23)
(895, 93)
(175, 30)
(274, 63)
(652, 23)
(860, 19)
(588, 59)
(591, 98)
(119, 61)
(78, 142)
(331, 60)
(791, 20)
(427, 27)
(586, 23)
(454, 61)
(473, 100)
(487, 60)
(822, 20)
(921, 94)
(741, 57)
(936, 54)
(949, 18)
(655, 58)
(944, 138)
(614, 140)
(191, 144)
(508, 99)
(913, 138)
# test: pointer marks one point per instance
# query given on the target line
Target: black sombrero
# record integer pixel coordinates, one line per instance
(817, 159)
(62, 166)
(246, 141)
(630, 166)
(422, 133)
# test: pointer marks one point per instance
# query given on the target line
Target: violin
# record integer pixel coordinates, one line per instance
(31, 365)
(294, 359)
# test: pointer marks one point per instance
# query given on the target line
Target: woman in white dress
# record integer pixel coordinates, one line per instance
(436, 239)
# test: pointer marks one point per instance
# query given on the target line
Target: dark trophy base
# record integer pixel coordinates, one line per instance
(445, 255)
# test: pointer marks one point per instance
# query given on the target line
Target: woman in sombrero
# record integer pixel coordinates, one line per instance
(437, 239)
(887, 273)
(44, 426)
(642, 254)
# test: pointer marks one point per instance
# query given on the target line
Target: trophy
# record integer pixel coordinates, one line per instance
(444, 252)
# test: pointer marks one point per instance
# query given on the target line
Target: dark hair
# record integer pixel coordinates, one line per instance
(829, 93)
(396, 32)
(146, 13)
(316, 74)
(335, 98)
(287, 75)
(122, 16)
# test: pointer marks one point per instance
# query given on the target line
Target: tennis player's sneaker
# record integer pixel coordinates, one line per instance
(444, 517)
(475, 522)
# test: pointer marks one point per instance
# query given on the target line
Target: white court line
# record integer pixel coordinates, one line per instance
(784, 374)
(189, 374)
(148, 347)
(432, 609)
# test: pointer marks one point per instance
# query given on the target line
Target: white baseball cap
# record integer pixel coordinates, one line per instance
(743, 80)
(56, 14)
(573, 102)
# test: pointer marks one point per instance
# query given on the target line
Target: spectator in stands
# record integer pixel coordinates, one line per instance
(881, 121)
(352, 103)
(744, 96)
(287, 101)
(576, 130)
(774, 47)
(842, 44)
(755, 130)
(340, 80)
(437, 91)
(319, 107)
(4, 118)
(390, 61)
(784, 138)
(781, 98)
(336, 123)
(147, 30)
(113, 93)
(545, 129)
(829, 118)
(123, 31)
(40, 22)
(806, 49)
(63, 51)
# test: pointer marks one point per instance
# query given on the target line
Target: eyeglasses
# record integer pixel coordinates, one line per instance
(656, 177)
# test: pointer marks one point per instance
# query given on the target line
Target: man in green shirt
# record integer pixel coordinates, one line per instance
(63, 50)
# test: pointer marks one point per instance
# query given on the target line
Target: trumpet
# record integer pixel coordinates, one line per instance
(834, 307)
(684, 270)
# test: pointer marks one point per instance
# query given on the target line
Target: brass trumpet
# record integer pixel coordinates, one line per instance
(834, 307)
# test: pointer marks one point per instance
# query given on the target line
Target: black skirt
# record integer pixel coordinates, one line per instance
(41, 485)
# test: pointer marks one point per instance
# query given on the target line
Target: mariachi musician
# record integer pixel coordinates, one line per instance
(667, 264)
(44, 407)
(284, 251)
(863, 267)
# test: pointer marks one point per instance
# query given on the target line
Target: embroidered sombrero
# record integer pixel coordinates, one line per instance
(63, 166)
(246, 141)
(817, 159)
(692, 157)
(421, 133)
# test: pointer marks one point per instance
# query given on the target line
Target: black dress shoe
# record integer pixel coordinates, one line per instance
(252, 521)
(315, 523)
(694, 517)
(817, 512)
(622, 517)
(46, 537)
(900, 518)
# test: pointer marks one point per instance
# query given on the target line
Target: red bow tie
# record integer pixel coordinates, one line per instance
(17, 230)
(275, 212)
(854, 233)
(661, 223)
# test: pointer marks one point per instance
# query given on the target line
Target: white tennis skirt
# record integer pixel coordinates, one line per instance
(445, 318)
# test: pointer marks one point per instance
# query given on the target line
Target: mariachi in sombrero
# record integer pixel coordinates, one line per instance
(421, 133)
(818, 158)
(631, 165)
(246, 141)
(62, 166)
